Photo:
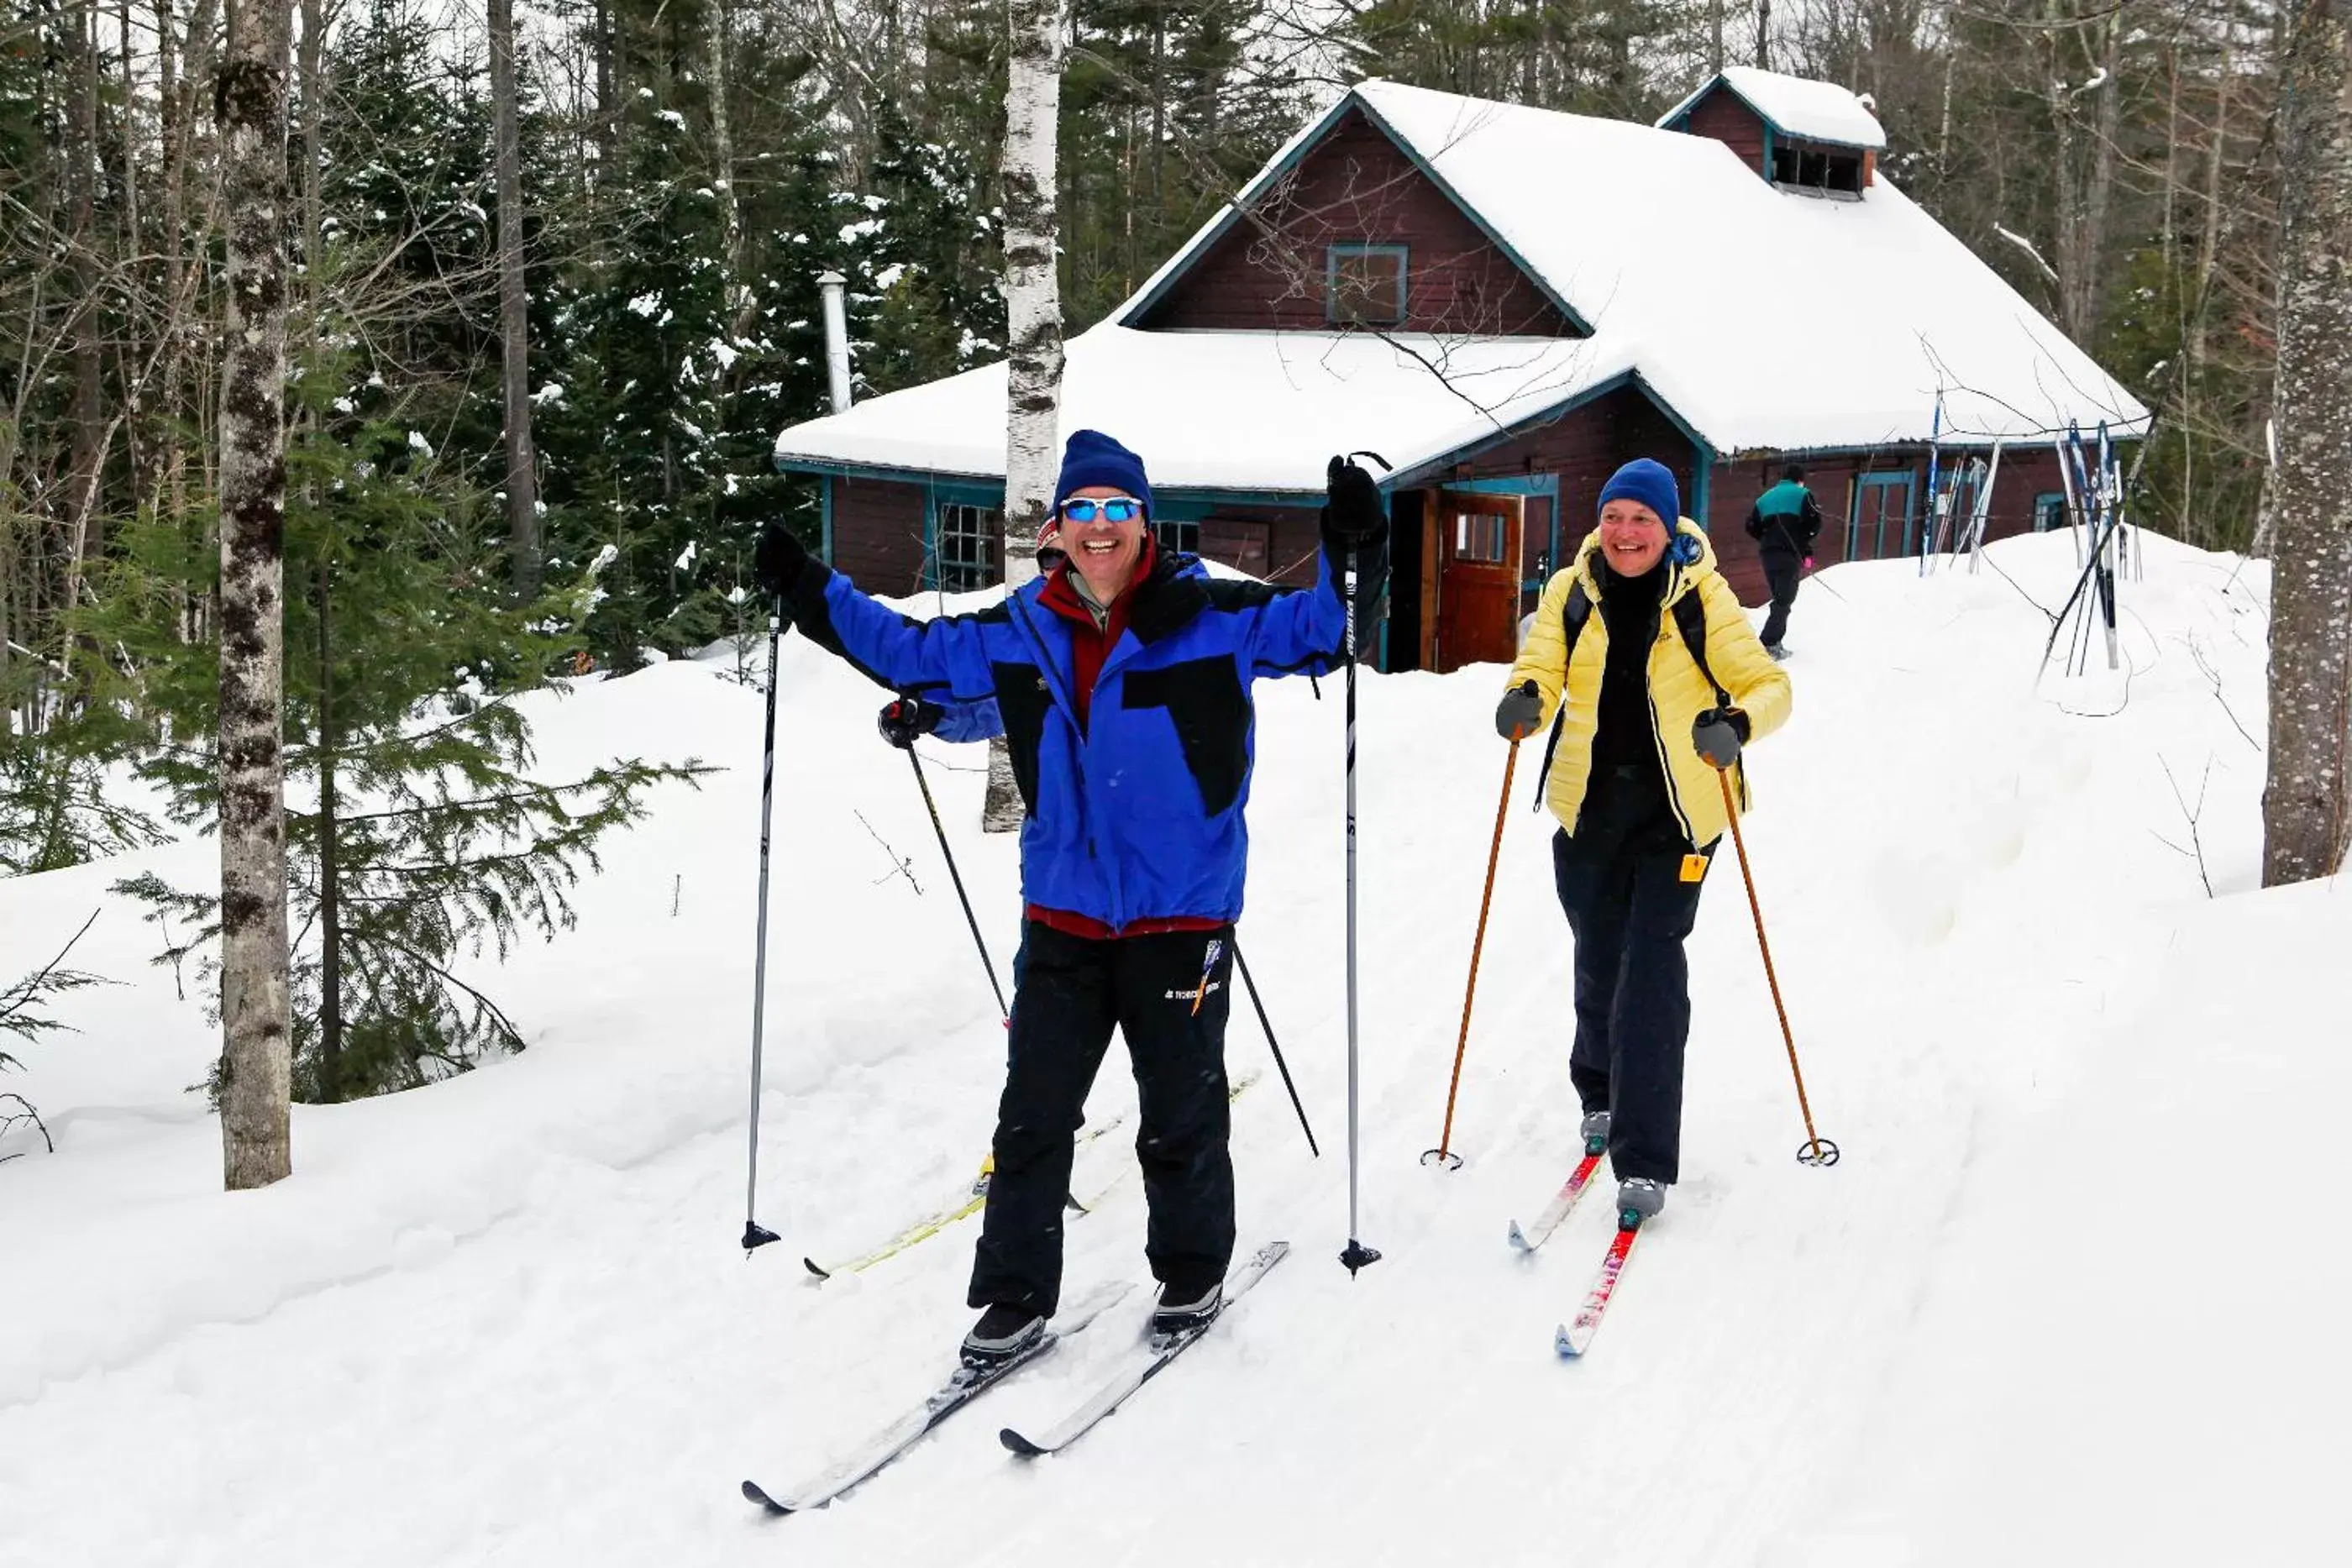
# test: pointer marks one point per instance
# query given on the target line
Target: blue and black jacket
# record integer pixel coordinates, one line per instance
(1135, 814)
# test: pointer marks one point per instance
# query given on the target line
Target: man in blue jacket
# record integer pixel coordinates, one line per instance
(1121, 680)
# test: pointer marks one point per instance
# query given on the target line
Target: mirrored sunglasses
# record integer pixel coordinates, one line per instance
(1114, 508)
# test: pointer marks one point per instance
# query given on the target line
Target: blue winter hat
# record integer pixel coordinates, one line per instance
(1093, 458)
(1652, 484)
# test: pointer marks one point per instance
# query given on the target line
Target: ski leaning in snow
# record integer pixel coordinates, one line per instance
(1562, 1202)
(1575, 1338)
(1148, 1358)
(968, 1383)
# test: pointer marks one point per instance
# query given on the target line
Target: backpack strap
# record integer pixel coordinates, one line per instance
(1573, 615)
(1690, 616)
(1578, 611)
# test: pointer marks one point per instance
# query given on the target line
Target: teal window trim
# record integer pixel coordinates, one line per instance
(951, 493)
(1768, 150)
(2048, 504)
(825, 518)
(1862, 484)
(1335, 253)
(1702, 481)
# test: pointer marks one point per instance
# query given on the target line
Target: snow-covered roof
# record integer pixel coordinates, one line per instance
(1786, 322)
(1817, 110)
(1227, 411)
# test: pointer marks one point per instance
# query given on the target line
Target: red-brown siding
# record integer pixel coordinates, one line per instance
(1581, 449)
(1291, 542)
(1723, 115)
(1356, 186)
(878, 534)
(2025, 473)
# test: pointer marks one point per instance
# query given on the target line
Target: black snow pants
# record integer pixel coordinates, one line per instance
(1073, 991)
(1622, 881)
(1781, 574)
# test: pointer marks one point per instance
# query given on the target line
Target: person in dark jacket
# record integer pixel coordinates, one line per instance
(1121, 681)
(1785, 523)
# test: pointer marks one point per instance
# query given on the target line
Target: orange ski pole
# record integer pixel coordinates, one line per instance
(1817, 1151)
(1443, 1153)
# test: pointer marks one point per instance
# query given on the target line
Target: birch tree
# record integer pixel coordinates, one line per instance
(1033, 322)
(2306, 800)
(256, 1039)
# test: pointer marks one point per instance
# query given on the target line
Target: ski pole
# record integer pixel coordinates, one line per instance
(957, 877)
(1443, 1155)
(1356, 1255)
(1817, 1150)
(756, 1235)
(1243, 965)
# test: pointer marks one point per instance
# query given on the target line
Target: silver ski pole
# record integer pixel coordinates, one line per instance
(756, 1235)
(1357, 1254)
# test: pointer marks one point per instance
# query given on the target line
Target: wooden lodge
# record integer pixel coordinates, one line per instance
(1507, 304)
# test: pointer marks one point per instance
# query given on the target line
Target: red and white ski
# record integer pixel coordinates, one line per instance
(1547, 1222)
(1575, 1337)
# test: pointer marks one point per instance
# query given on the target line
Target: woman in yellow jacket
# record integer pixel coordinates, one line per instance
(1644, 726)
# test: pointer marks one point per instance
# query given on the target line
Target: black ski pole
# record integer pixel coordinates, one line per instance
(756, 1235)
(1243, 965)
(957, 877)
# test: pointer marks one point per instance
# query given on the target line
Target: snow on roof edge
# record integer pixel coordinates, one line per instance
(1751, 86)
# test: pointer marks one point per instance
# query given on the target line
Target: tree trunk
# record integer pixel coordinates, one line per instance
(2306, 800)
(1034, 324)
(514, 308)
(1715, 38)
(1763, 35)
(2096, 199)
(330, 901)
(80, 150)
(256, 1039)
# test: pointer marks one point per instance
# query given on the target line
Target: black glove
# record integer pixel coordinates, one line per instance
(904, 718)
(1718, 734)
(1354, 515)
(776, 564)
(1520, 712)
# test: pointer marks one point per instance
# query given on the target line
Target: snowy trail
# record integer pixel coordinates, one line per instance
(503, 1321)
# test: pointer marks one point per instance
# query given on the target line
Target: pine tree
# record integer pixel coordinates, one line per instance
(417, 835)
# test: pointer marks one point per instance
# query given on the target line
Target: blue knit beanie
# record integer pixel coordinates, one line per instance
(1652, 484)
(1093, 458)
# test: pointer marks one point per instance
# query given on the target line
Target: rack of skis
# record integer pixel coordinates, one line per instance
(1960, 500)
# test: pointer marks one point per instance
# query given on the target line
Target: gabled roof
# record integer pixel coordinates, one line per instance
(1763, 319)
(1794, 105)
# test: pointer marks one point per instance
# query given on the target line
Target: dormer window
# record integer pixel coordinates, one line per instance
(1364, 285)
(1817, 168)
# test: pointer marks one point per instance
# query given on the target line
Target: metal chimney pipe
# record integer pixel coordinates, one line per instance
(837, 337)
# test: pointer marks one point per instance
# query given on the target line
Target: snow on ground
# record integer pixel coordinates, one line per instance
(2064, 1299)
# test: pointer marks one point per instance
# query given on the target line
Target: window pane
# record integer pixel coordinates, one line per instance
(1366, 285)
(1185, 537)
(967, 548)
(1479, 538)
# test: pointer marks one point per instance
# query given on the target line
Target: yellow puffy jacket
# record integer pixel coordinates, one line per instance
(1678, 692)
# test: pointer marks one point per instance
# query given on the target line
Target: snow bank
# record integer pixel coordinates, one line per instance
(504, 1320)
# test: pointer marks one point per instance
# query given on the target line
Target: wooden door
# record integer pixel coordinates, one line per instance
(1477, 568)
